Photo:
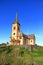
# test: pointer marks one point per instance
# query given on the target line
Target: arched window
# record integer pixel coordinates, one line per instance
(31, 40)
(20, 37)
(14, 28)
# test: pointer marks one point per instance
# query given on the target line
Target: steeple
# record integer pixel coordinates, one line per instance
(16, 19)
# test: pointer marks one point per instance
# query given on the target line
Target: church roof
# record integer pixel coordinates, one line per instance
(31, 36)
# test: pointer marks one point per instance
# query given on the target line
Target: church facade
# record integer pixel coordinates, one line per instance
(18, 37)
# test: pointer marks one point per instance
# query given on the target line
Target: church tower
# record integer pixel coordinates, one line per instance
(15, 29)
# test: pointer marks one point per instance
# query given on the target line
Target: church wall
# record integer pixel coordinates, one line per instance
(28, 42)
(21, 41)
(24, 41)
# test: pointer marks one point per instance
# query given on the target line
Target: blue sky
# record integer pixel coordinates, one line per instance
(30, 16)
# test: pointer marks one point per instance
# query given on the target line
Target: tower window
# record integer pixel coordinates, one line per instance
(14, 33)
(14, 28)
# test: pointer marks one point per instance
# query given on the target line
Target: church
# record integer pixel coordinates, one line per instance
(18, 37)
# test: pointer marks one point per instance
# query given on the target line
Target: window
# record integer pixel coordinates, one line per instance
(31, 40)
(14, 33)
(14, 28)
(20, 37)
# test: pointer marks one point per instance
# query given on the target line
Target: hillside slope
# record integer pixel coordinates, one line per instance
(16, 55)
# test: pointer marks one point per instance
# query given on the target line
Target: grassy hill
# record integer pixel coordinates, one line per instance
(16, 55)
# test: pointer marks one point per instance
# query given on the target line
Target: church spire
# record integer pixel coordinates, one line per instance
(16, 17)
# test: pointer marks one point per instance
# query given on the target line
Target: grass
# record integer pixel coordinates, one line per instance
(16, 55)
